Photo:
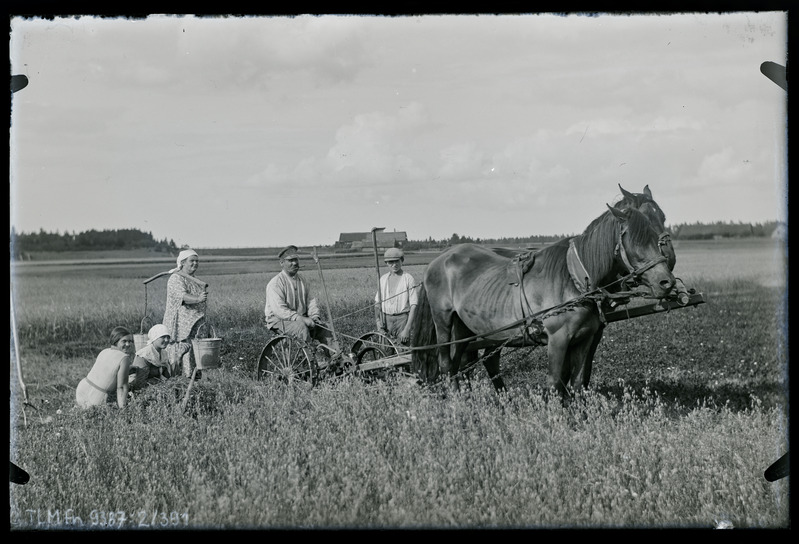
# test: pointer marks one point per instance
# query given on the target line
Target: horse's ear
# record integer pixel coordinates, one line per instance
(629, 196)
(648, 193)
(621, 215)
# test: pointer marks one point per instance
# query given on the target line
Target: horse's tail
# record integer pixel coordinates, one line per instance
(424, 362)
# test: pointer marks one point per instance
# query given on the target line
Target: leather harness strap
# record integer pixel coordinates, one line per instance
(581, 277)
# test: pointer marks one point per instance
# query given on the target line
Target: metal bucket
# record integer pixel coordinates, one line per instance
(206, 350)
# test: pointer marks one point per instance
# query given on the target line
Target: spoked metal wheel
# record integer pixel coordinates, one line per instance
(373, 352)
(287, 360)
(373, 346)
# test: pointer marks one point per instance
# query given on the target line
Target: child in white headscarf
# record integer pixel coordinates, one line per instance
(151, 364)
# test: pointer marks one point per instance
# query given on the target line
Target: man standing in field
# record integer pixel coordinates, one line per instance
(398, 297)
(290, 309)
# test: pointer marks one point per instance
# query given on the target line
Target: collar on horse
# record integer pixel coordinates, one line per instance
(577, 271)
(522, 262)
(582, 279)
(579, 274)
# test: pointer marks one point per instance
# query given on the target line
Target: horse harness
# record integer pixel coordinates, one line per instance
(523, 262)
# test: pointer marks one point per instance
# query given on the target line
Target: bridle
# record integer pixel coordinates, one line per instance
(664, 238)
(635, 273)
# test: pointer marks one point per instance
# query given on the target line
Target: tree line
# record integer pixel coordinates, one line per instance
(430, 243)
(25, 243)
(680, 231)
(719, 229)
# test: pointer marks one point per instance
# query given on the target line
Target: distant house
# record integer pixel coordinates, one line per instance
(361, 240)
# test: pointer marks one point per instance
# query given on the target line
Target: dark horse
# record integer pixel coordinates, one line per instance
(468, 294)
(644, 203)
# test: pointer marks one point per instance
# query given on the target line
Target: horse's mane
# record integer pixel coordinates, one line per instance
(596, 245)
(552, 259)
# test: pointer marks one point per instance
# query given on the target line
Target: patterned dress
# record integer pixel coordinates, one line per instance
(182, 320)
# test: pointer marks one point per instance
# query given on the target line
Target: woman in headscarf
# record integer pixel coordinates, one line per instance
(151, 364)
(109, 374)
(185, 310)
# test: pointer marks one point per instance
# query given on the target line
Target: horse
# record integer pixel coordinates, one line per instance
(467, 294)
(643, 202)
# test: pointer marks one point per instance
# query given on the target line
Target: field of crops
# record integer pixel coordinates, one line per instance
(686, 411)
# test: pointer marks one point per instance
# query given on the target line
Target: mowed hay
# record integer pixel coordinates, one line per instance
(171, 393)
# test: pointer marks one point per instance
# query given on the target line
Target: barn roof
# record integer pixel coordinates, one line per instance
(367, 236)
(352, 236)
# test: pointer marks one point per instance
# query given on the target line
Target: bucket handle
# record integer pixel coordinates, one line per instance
(149, 322)
(206, 326)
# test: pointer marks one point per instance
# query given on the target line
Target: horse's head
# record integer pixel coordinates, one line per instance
(639, 253)
(644, 203)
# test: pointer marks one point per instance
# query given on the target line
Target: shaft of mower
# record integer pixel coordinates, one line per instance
(327, 299)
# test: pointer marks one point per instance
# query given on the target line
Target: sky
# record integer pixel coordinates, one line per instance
(267, 131)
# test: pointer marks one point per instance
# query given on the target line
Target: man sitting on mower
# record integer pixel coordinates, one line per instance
(290, 309)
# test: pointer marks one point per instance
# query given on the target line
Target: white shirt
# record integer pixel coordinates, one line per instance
(287, 299)
(405, 295)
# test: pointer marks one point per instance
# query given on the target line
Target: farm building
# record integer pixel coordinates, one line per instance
(360, 240)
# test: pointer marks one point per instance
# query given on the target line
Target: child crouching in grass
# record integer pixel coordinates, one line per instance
(151, 364)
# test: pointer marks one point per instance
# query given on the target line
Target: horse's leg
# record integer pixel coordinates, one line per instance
(444, 325)
(582, 376)
(491, 364)
(559, 368)
(470, 358)
(459, 332)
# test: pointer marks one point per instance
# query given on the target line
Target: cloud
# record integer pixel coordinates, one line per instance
(262, 52)
(462, 161)
(373, 149)
(480, 125)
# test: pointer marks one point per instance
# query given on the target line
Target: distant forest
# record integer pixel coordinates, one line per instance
(23, 244)
(683, 231)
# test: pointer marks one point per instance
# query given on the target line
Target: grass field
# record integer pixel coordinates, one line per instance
(687, 409)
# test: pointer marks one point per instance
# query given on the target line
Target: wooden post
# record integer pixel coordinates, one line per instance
(16, 352)
(377, 267)
(188, 390)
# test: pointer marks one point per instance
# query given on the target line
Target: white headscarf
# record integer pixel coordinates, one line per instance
(185, 254)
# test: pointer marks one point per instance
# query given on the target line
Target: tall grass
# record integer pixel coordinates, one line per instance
(77, 312)
(347, 454)
(687, 409)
